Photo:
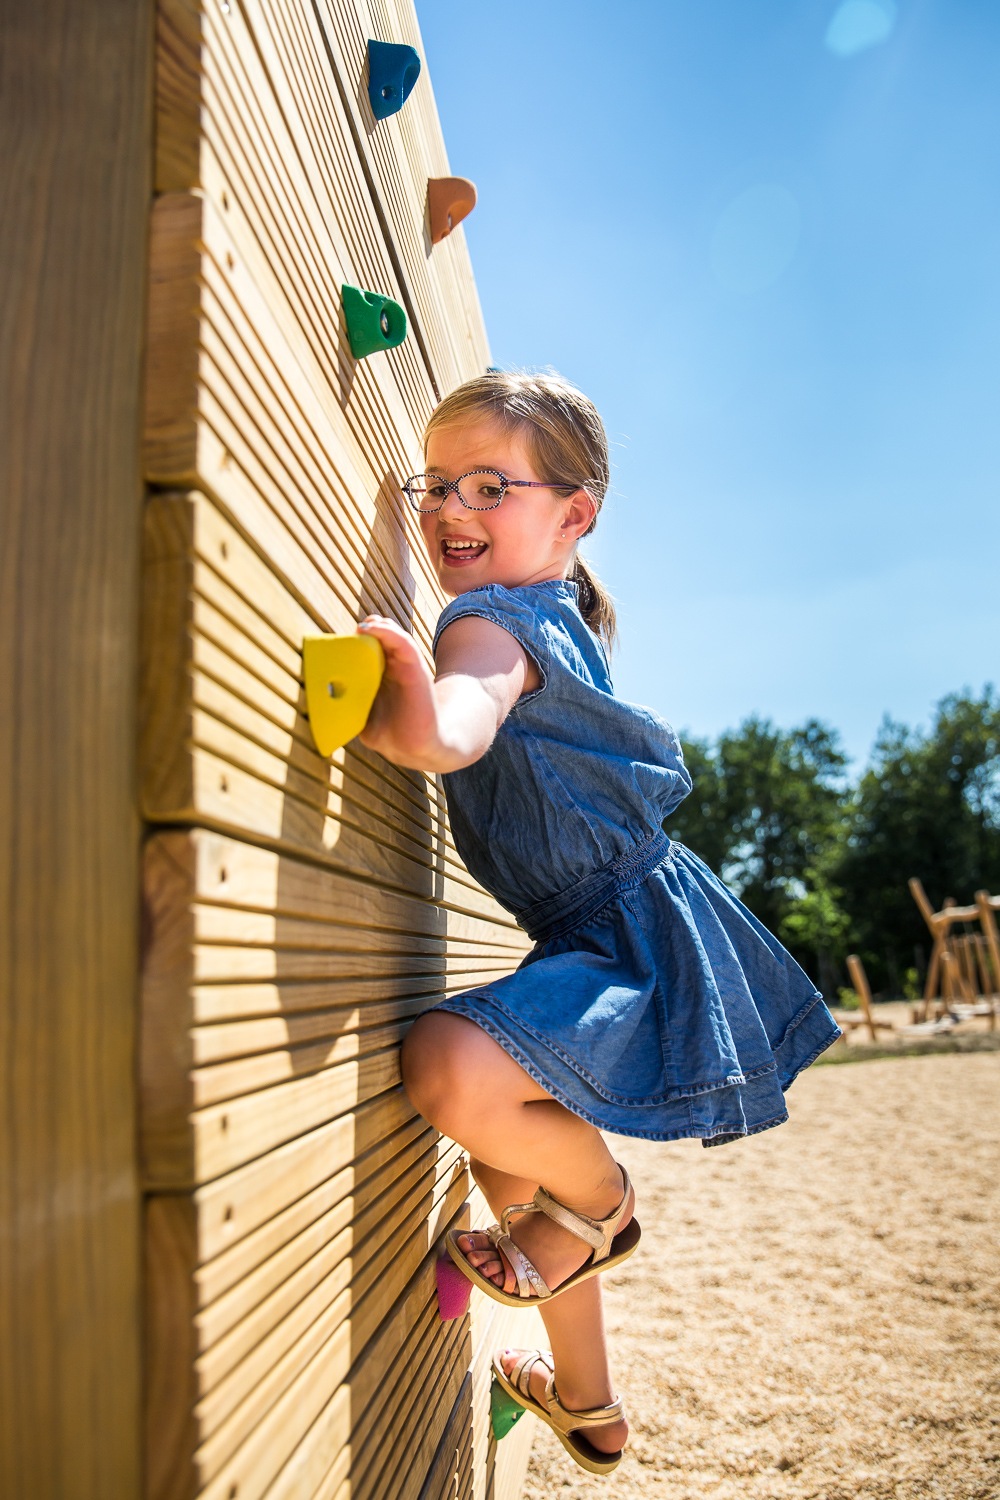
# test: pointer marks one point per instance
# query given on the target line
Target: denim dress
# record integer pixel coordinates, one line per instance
(653, 1003)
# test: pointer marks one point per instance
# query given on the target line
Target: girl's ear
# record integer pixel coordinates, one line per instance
(579, 515)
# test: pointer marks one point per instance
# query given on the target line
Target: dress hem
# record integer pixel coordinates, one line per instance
(674, 1095)
(707, 1137)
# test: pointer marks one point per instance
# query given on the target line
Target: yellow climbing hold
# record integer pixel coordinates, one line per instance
(342, 675)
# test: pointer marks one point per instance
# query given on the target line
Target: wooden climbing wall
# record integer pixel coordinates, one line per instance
(298, 913)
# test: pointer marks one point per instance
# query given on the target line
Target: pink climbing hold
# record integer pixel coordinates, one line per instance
(454, 1290)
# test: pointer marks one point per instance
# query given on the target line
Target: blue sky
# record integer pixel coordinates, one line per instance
(764, 236)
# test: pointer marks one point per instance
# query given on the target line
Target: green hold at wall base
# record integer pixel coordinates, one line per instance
(504, 1411)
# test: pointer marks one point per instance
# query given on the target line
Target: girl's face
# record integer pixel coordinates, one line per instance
(529, 537)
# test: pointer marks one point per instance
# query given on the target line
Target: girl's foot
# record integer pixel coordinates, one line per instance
(610, 1437)
(554, 1251)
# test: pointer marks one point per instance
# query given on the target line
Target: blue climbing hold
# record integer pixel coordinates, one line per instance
(373, 322)
(393, 69)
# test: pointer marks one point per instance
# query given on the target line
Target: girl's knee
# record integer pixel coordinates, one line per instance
(439, 1073)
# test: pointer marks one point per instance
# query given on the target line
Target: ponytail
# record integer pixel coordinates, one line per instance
(596, 604)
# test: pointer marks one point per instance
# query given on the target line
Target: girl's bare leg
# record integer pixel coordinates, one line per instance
(574, 1323)
(472, 1090)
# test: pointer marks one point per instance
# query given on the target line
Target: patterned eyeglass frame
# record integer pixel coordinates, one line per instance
(453, 484)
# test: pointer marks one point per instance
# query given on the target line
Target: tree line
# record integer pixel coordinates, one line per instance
(823, 859)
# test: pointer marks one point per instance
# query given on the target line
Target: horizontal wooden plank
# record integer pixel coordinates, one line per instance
(221, 910)
(246, 1039)
(249, 1213)
(389, 1207)
(203, 556)
(389, 1407)
(370, 1410)
(397, 194)
(244, 706)
(298, 155)
(337, 1423)
(276, 931)
(290, 1002)
(224, 1136)
(219, 358)
(344, 1201)
(399, 155)
(287, 1394)
(308, 1273)
(229, 876)
(246, 1075)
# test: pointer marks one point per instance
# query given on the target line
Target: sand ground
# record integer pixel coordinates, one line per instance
(814, 1313)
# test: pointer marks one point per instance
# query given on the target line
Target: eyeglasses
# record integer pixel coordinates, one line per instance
(481, 489)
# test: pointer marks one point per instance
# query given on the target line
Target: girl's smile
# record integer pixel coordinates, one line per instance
(459, 552)
(530, 537)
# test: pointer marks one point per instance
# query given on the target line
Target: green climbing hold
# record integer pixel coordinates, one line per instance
(504, 1411)
(373, 322)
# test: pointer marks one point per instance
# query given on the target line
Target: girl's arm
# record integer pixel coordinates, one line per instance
(445, 722)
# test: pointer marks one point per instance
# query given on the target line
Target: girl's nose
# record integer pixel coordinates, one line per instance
(453, 509)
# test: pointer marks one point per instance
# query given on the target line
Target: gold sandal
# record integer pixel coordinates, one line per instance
(608, 1248)
(565, 1424)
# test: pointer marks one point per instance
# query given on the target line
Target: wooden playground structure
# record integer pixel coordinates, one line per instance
(963, 974)
(222, 1216)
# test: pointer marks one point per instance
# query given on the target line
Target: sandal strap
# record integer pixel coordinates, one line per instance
(598, 1233)
(510, 1210)
(567, 1421)
(520, 1375)
(594, 1416)
(530, 1283)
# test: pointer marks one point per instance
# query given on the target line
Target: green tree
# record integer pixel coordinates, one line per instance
(928, 805)
(767, 813)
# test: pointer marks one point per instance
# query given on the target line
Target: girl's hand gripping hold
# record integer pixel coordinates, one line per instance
(449, 721)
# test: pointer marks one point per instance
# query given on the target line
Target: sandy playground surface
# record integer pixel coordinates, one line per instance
(814, 1313)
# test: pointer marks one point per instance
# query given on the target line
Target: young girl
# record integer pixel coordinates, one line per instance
(653, 1004)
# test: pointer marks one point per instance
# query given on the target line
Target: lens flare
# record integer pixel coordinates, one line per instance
(857, 25)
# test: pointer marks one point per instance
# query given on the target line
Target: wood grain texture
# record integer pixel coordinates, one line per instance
(75, 131)
(225, 740)
(237, 408)
(300, 912)
(220, 913)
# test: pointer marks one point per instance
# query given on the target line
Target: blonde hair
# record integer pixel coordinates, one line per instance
(566, 441)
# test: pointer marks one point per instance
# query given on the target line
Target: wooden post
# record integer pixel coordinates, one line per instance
(982, 963)
(933, 976)
(859, 979)
(944, 964)
(920, 897)
(934, 966)
(75, 132)
(985, 904)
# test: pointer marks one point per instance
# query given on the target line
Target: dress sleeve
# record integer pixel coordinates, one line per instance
(512, 614)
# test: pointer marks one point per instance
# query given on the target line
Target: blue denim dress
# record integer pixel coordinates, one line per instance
(653, 1004)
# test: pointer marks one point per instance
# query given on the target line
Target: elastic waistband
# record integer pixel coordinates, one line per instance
(566, 910)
